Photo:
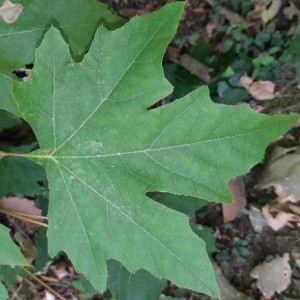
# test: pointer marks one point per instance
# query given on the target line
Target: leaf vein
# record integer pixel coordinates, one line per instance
(112, 88)
(134, 222)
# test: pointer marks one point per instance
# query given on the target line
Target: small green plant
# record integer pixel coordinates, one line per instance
(103, 149)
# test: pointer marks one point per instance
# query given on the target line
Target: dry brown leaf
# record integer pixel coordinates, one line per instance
(10, 12)
(190, 63)
(259, 108)
(283, 172)
(259, 90)
(49, 296)
(274, 9)
(26, 245)
(291, 11)
(227, 290)
(20, 205)
(274, 276)
(59, 271)
(246, 81)
(231, 210)
(195, 67)
(255, 14)
(48, 278)
(257, 219)
(277, 219)
(211, 28)
(262, 90)
(294, 208)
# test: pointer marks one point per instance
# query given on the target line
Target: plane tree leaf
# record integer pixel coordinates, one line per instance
(103, 150)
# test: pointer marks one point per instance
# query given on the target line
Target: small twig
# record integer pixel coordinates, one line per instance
(15, 295)
(46, 286)
(25, 217)
(191, 64)
(2, 154)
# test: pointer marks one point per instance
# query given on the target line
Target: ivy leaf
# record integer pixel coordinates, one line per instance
(103, 150)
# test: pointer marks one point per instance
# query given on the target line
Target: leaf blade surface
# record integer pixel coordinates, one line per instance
(77, 20)
(10, 253)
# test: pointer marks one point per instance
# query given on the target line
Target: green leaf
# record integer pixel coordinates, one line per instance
(20, 176)
(103, 150)
(292, 55)
(3, 292)
(10, 258)
(7, 100)
(87, 290)
(41, 245)
(7, 120)
(186, 205)
(10, 253)
(77, 20)
(172, 298)
(207, 235)
(126, 286)
(9, 275)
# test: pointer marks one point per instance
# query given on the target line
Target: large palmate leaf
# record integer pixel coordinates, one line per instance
(103, 150)
(77, 20)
